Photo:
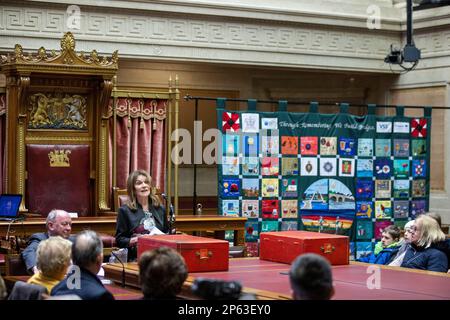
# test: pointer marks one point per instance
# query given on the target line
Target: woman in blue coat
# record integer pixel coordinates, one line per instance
(421, 252)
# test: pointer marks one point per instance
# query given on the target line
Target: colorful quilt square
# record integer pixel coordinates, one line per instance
(250, 187)
(419, 188)
(269, 188)
(289, 188)
(346, 167)
(364, 230)
(328, 167)
(383, 147)
(364, 209)
(269, 123)
(270, 166)
(365, 147)
(383, 168)
(308, 166)
(401, 209)
(346, 146)
(380, 226)
(328, 146)
(289, 226)
(401, 188)
(231, 187)
(270, 145)
(250, 145)
(289, 145)
(364, 189)
(251, 231)
(231, 145)
(289, 209)
(230, 166)
(308, 146)
(383, 209)
(419, 128)
(383, 188)
(250, 166)
(341, 198)
(230, 122)
(364, 168)
(270, 209)
(250, 122)
(289, 166)
(401, 168)
(363, 249)
(401, 148)
(269, 226)
(250, 208)
(230, 208)
(419, 147)
(418, 207)
(419, 168)
(315, 196)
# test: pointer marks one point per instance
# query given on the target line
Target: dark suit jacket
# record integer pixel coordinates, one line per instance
(128, 220)
(29, 254)
(91, 288)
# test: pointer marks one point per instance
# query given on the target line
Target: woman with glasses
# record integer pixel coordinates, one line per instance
(422, 252)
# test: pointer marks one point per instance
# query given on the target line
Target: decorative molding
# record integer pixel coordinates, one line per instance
(21, 159)
(32, 139)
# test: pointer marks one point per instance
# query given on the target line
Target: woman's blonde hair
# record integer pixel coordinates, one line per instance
(132, 200)
(53, 256)
(429, 231)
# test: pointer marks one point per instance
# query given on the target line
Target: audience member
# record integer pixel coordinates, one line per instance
(311, 278)
(397, 259)
(162, 272)
(58, 223)
(386, 248)
(420, 253)
(143, 213)
(3, 292)
(87, 257)
(53, 259)
(444, 245)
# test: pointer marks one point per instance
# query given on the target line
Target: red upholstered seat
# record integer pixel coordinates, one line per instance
(2, 259)
(108, 241)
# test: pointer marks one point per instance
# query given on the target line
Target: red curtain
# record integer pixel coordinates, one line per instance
(2, 141)
(140, 139)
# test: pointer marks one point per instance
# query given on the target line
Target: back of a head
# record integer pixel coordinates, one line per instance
(86, 249)
(53, 257)
(436, 217)
(311, 278)
(162, 272)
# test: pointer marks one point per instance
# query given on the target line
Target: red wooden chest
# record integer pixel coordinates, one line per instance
(285, 246)
(201, 254)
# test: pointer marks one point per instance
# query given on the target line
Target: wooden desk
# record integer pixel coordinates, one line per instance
(270, 280)
(107, 225)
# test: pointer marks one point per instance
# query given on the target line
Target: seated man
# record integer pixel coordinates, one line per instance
(3, 292)
(53, 259)
(310, 277)
(58, 223)
(87, 258)
(162, 272)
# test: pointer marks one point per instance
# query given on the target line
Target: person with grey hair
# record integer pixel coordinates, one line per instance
(59, 223)
(87, 258)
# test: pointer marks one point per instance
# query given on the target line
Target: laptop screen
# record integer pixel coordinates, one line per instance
(9, 205)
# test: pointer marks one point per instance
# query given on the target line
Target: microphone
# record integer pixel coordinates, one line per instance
(171, 214)
(123, 268)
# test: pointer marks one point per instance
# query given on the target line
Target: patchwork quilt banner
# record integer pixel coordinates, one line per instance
(333, 173)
